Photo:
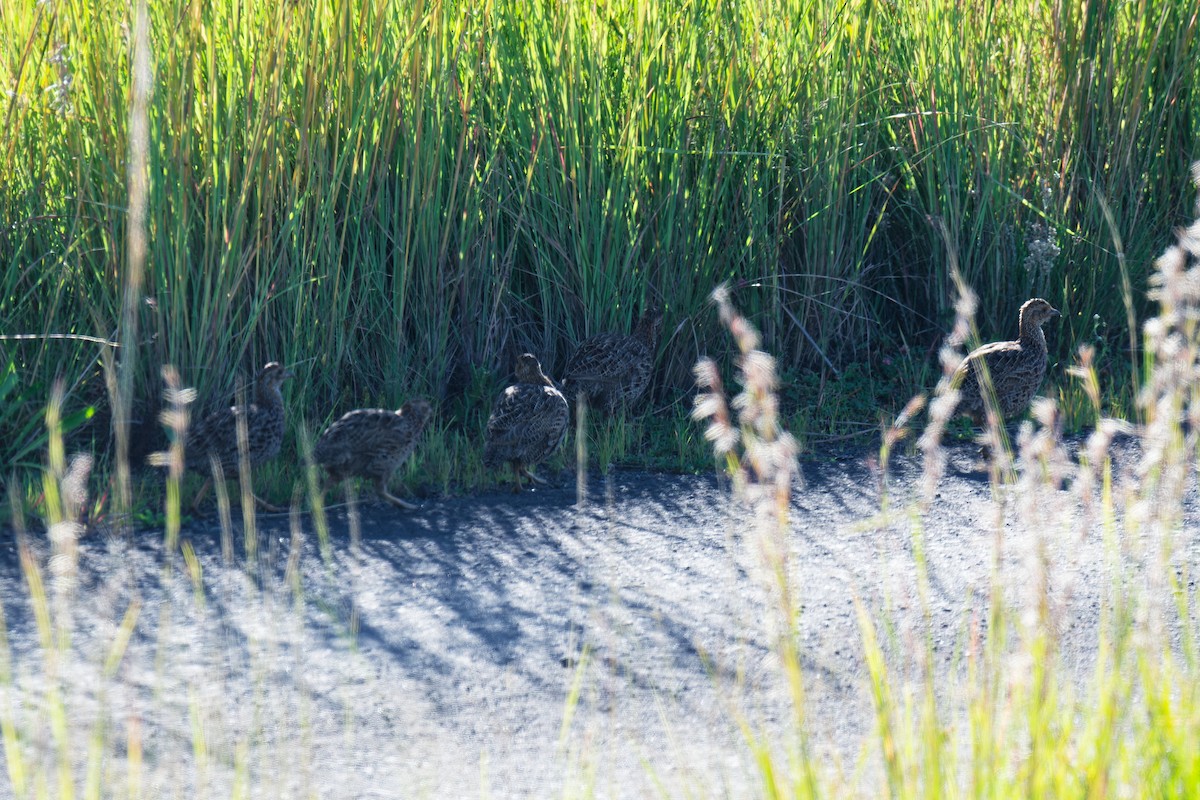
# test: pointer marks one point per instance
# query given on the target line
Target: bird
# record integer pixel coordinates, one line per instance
(613, 371)
(1015, 368)
(372, 443)
(528, 422)
(216, 436)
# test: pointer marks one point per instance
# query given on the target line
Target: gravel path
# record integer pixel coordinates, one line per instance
(436, 659)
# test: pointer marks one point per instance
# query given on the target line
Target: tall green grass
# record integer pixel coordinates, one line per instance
(398, 197)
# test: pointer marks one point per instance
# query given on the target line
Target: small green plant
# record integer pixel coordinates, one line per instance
(27, 437)
(438, 460)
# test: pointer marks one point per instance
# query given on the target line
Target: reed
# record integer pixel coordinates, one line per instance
(393, 196)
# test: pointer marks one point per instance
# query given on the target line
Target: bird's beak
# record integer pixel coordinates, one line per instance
(287, 373)
(1054, 312)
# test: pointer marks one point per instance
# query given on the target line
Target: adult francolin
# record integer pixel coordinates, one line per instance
(216, 436)
(528, 422)
(372, 443)
(1015, 368)
(613, 370)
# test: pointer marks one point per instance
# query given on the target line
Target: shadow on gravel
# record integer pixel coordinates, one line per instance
(453, 635)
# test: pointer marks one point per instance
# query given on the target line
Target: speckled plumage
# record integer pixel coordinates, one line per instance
(216, 435)
(528, 422)
(614, 370)
(372, 443)
(1016, 368)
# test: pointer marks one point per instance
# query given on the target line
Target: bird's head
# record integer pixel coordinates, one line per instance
(1037, 311)
(649, 325)
(418, 408)
(529, 370)
(272, 376)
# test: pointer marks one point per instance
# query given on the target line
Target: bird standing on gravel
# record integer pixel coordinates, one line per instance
(612, 370)
(528, 422)
(372, 443)
(1015, 368)
(216, 436)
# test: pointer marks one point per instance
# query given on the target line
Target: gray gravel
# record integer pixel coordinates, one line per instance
(436, 658)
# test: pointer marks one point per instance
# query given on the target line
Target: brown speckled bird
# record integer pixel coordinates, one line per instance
(612, 370)
(1016, 368)
(528, 422)
(372, 443)
(216, 436)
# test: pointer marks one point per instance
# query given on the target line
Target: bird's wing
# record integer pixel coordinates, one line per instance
(524, 414)
(549, 423)
(215, 433)
(996, 356)
(360, 435)
(604, 359)
(510, 415)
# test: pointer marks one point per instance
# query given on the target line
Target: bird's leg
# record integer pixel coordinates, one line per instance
(200, 495)
(265, 506)
(324, 484)
(528, 473)
(996, 437)
(516, 471)
(381, 489)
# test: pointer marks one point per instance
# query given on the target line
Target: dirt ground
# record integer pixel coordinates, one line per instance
(436, 659)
